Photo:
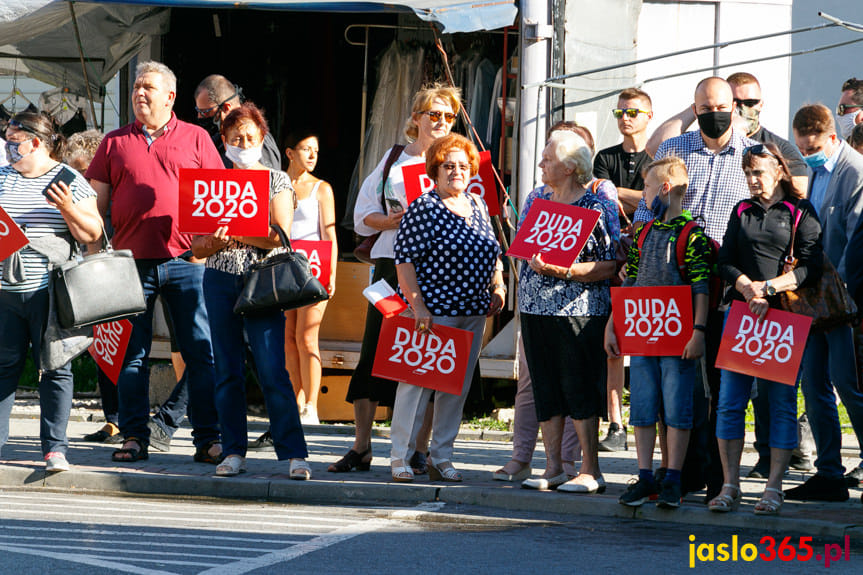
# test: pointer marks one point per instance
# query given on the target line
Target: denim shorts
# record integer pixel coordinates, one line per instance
(661, 383)
(734, 394)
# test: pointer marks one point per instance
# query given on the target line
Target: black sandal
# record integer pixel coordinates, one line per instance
(202, 453)
(353, 459)
(139, 454)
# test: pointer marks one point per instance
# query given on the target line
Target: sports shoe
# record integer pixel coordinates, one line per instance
(639, 493)
(854, 478)
(669, 495)
(761, 469)
(56, 461)
(615, 440)
(819, 488)
(801, 463)
(309, 415)
(263, 443)
(159, 438)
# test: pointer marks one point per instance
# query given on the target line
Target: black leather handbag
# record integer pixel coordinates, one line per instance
(280, 282)
(99, 288)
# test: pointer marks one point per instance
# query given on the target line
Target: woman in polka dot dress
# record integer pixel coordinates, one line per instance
(449, 271)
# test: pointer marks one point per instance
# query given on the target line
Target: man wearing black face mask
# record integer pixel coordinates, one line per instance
(215, 97)
(713, 156)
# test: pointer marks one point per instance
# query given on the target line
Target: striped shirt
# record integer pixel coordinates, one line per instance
(716, 181)
(23, 200)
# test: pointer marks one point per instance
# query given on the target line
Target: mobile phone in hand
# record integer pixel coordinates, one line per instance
(65, 175)
(395, 205)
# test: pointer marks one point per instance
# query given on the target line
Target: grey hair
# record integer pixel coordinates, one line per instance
(573, 151)
(153, 67)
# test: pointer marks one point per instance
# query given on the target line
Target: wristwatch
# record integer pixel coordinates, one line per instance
(769, 290)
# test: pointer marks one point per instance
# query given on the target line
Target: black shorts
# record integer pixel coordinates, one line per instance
(567, 364)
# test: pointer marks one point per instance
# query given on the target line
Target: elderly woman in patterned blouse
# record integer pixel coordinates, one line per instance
(563, 310)
(449, 270)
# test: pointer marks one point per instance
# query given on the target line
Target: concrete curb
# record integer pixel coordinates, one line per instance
(353, 492)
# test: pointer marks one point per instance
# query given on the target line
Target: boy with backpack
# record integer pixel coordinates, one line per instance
(665, 383)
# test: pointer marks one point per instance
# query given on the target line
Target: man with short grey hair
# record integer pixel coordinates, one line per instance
(135, 172)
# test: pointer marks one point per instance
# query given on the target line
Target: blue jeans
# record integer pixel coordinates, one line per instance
(23, 317)
(734, 394)
(266, 336)
(661, 383)
(179, 284)
(828, 362)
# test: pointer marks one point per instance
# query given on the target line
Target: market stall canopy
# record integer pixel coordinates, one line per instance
(39, 40)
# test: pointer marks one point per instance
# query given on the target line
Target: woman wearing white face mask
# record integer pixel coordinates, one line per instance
(228, 257)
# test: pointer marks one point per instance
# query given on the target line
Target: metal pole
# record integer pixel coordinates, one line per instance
(364, 101)
(83, 63)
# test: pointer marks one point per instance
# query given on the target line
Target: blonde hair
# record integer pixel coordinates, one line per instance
(574, 152)
(669, 169)
(423, 101)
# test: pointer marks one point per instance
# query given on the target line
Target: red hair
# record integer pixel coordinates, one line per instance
(437, 152)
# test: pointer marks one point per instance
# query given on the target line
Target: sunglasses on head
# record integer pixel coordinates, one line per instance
(748, 102)
(22, 127)
(759, 150)
(435, 116)
(843, 109)
(630, 112)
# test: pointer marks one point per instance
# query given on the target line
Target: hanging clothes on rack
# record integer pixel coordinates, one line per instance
(68, 110)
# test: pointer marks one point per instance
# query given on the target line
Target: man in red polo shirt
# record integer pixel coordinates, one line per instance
(135, 172)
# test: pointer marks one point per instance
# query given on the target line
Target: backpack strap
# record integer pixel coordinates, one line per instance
(643, 234)
(395, 152)
(680, 246)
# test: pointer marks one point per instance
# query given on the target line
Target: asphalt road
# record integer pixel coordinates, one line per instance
(73, 534)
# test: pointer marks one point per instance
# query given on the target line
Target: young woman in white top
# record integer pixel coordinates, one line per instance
(314, 219)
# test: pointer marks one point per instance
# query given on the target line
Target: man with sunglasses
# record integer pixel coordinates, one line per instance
(850, 108)
(622, 164)
(215, 97)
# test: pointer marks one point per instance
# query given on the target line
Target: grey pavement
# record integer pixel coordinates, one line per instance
(477, 455)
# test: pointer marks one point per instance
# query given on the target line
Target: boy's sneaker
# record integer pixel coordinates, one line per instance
(56, 461)
(615, 440)
(638, 493)
(669, 495)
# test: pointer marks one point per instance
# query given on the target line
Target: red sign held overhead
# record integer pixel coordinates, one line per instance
(655, 321)
(12, 238)
(557, 231)
(771, 349)
(320, 255)
(110, 341)
(239, 199)
(483, 183)
(436, 360)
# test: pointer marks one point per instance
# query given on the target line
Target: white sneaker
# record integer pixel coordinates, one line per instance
(56, 461)
(309, 415)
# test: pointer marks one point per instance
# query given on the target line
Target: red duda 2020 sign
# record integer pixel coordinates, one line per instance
(557, 231)
(771, 349)
(239, 199)
(320, 255)
(12, 238)
(483, 183)
(436, 360)
(110, 341)
(652, 320)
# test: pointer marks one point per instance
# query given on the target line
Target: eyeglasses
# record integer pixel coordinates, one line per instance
(843, 109)
(205, 112)
(631, 112)
(759, 150)
(450, 166)
(435, 116)
(748, 102)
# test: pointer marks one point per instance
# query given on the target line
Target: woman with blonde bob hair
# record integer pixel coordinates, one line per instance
(380, 206)
(563, 314)
(448, 264)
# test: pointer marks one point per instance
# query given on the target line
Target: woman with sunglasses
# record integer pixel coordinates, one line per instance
(433, 113)
(449, 270)
(52, 214)
(752, 260)
(314, 219)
